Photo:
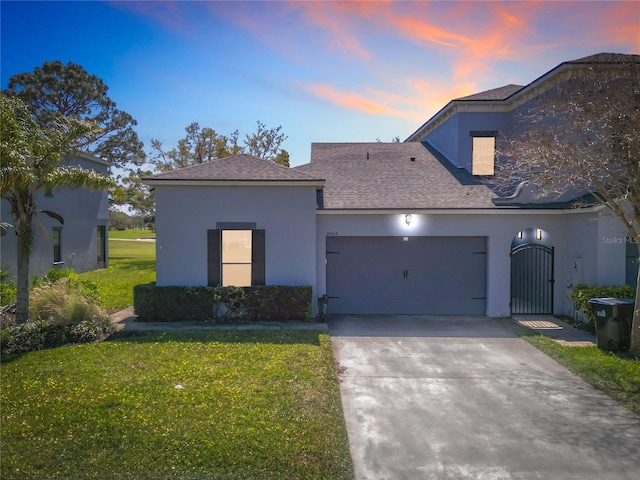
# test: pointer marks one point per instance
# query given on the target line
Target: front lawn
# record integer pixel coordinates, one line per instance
(616, 374)
(183, 405)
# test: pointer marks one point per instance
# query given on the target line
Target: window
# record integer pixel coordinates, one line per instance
(57, 245)
(483, 155)
(236, 256)
(101, 247)
(483, 152)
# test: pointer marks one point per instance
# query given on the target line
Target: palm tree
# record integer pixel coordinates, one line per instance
(33, 160)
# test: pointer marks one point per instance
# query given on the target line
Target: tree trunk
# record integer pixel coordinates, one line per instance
(22, 281)
(634, 348)
(23, 210)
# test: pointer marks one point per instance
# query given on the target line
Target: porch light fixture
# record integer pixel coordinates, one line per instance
(407, 218)
(538, 234)
(519, 234)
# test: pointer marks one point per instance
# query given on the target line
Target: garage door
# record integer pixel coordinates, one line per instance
(406, 275)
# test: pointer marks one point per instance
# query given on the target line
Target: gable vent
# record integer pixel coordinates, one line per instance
(413, 159)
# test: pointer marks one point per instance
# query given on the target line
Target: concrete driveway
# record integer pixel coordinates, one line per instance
(445, 397)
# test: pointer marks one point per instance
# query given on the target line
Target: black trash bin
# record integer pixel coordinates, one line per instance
(614, 317)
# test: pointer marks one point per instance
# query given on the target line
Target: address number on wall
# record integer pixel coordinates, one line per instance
(332, 234)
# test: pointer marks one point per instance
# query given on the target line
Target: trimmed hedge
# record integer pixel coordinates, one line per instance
(152, 303)
(582, 293)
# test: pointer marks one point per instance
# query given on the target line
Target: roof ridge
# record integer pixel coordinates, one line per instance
(498, 93)
(238, 167)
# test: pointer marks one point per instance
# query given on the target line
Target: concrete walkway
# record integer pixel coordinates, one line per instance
(556, 329)
(126, 320)
(446, 397)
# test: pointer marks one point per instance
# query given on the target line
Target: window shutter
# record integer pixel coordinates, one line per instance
(258, 258)
(213, 257)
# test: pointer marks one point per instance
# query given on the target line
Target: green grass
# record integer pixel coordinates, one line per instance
(131, 234)
(253, 405)
(131, 262)
(616, 374)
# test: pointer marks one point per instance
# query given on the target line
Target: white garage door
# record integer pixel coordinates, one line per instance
(406, 275)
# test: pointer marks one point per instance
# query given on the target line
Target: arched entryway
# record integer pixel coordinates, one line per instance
(532, 273)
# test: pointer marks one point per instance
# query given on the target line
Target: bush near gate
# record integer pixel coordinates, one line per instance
(226, 304)
(582, 293)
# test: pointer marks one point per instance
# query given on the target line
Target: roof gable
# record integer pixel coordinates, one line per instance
(235, 168)
(511, 96)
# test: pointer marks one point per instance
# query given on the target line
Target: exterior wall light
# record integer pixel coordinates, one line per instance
(407, 218)
(538, 234)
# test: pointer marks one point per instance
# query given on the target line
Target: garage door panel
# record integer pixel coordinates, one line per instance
(424, 275)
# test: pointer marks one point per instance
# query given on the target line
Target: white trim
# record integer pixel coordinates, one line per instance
(90, 157)
(463, 211)
(235, 183)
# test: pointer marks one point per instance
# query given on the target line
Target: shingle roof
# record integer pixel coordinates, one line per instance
(388, 179)
(240, 167)
(500, 93)
(607, 58)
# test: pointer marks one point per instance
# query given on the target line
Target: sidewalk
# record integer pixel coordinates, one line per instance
(557, 330)
(126, 320)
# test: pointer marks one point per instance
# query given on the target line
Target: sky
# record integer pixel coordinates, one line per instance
(324, 71)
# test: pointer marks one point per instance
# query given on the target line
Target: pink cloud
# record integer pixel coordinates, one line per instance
(621, 25)
(470, 38)
(419, 98)
(349, 100)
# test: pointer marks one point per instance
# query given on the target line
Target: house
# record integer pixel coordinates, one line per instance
(80, 242)
(392, 228)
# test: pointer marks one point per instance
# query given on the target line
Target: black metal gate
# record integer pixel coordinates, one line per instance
(532, 280)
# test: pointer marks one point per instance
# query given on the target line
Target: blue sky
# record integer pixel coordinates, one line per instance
(325, 71)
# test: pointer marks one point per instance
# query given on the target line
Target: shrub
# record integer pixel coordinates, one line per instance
(24, 338)
(52, 276)
(86, 288)
(59, 314)
(582, 293)
(8, 289)
(90, 330)
(8, 292)
(39, 334)
(278, 303)
(173, 303)
(61, 303)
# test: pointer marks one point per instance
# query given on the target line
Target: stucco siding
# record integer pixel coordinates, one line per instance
(453, 139)
(83, 211)
(611, 246)
(184, 214)
(573, 234)
(445, 138)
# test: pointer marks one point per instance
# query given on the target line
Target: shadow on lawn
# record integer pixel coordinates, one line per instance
(275, 337)
(126, 263)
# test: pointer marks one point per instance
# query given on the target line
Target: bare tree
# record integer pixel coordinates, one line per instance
(583, 135)
(265, 142)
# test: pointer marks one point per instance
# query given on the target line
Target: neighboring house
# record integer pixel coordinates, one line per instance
(81, 242)
(391, 228)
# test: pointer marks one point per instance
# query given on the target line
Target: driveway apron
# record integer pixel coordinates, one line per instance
(446, 397)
